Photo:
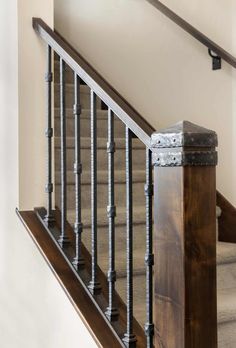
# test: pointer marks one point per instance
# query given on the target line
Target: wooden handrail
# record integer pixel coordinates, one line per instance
(194, 32)
(128, 115)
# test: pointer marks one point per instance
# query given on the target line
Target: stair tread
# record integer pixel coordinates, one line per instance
(226, 300)
(226, 305)
(102, 176)
(226, 253)
(138, 215)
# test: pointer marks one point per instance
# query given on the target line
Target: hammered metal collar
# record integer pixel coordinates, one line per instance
(184, 134)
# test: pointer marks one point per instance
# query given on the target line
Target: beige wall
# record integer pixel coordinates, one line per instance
(35, 312)
(32, 121)
(160, 69)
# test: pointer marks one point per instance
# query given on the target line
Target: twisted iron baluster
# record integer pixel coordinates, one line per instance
(49, 219)
(94, 285)
(149, 257)
(129, 338)
(78, 226)
(112, 312)
(63, 239)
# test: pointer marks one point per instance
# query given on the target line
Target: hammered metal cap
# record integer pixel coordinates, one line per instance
(184, 134)
(184, 144)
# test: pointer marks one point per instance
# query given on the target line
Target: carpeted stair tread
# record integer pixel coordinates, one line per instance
(226, 300)
(85, 124)
(69, 97)
(226, 253)
(226, 305)
(138, 216)
(138, 160)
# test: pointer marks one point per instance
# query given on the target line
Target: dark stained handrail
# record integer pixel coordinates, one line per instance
(194, 32)
(128, 115)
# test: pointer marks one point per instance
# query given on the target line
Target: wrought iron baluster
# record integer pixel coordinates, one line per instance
(129, 338)
(63, 239)
(149, 257)
(49, 134)
(94, 285)
(78, 226)
(112, 312)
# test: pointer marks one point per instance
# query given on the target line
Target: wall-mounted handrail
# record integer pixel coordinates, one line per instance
(128, 115)
(211, 45)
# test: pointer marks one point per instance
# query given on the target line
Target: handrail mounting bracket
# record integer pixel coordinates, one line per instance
(216, 60)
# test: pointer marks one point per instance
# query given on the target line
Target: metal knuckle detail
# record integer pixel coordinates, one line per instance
(49, 188)
(78, 227)
(148, 189)
(49, 132)
(111, 276)
(49, 77)
(77, 109)
(111, 211)
(77, 168)
(149, 259)
(111, 147)
(149, 329)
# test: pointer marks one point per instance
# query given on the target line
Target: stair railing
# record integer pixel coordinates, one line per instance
(216, 52)
(182, 311)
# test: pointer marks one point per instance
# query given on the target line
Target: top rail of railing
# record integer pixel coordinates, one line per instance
(211, 45)
(127, 114)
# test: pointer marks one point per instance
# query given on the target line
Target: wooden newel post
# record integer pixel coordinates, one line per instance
(185, 159)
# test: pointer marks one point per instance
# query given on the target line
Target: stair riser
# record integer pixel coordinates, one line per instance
(226, 276)
(139, 297)
(138, 159)
(102, 178)
(102, 194)
(69, 100)
(103, 255)
(120, 249)
(139, 242)
(85, 128)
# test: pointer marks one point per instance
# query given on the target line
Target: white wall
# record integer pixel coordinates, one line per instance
(160, 69)
(35, 312)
